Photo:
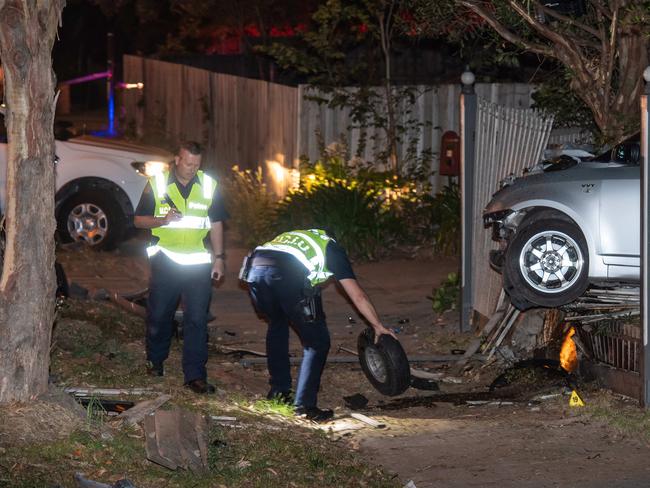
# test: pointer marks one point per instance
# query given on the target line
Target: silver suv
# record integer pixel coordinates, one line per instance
(568, 224)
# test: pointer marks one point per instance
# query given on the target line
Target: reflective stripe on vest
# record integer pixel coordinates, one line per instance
(316, 241)
(189, 223)
(181, 258)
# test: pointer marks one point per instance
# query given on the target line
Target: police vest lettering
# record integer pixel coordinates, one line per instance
(182, 240)
(307, 246)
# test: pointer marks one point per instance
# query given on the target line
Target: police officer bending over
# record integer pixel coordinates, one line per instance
(284, 277)
(181, 207)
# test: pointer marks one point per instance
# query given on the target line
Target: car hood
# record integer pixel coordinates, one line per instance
(548, 183)
(118, 147)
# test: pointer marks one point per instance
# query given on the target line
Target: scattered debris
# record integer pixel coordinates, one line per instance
(410, 484)
(351, 320)
(229, 333)
(435, 358)
(545, 397)
(241, 352)
(177, 439)
(404, 321)
(224, 420)
(84, 392)
(356, 401)
(128, 305)
(107, 405)
(83, 482)
(424, 384)
(138, 413)
(367, 420)
(342, 348)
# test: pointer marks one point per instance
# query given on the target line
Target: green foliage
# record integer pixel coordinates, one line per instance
(251, 206)
(445, 217)
(349, 210)
(556, 97)
(447, 295)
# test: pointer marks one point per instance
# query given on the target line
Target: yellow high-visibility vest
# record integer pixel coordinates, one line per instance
(182, 241)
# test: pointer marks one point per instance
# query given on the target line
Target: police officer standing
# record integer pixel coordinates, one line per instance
(284, 277)
(181, 207)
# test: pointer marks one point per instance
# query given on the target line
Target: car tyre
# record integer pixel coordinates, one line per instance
(546, 265)
(93, 218)
(385, 364)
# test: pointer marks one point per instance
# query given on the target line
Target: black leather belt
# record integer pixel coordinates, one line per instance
(260, 261)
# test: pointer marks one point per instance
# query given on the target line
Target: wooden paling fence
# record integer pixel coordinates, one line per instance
(508, 140)
(248, 122)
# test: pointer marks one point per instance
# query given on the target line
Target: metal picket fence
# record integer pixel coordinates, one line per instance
(508, 140)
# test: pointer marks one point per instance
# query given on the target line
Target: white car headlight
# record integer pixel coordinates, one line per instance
(149, 168)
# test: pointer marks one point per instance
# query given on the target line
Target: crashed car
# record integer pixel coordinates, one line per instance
(98, 185)
(568, 224)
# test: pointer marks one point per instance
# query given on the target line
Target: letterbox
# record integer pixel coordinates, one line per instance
(450, 154)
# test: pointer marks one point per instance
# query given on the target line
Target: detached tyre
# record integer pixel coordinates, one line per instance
(547, 264)
(93, 218)
(385, 364)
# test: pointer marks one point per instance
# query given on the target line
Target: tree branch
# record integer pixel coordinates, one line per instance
(506, 33)
(564, 18)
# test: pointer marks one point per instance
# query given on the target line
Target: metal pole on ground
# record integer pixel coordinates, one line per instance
(645, 240)
(468, 138)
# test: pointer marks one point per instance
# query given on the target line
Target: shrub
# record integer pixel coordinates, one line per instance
(251, 206)
(445, 218)
(351, 212)
(447, 296)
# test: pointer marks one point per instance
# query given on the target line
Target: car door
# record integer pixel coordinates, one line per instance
(620, 220)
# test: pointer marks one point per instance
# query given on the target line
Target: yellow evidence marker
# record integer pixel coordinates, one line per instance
(575, 400)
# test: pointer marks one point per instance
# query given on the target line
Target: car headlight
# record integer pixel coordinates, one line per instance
(149, 168)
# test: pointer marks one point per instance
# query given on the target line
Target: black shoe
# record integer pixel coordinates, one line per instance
(155, 369)
(314, 414)
(281, 396)
(201, 387)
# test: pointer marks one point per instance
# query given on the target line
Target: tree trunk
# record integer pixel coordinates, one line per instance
(27, 286)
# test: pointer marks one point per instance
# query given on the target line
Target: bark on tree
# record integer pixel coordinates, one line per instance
(27, 287)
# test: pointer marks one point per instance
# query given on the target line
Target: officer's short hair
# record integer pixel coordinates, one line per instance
(192, 147)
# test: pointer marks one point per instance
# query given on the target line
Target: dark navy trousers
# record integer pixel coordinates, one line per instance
(168, 283)
(277, 294)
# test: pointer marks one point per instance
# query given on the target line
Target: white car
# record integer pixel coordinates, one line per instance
(98, 186)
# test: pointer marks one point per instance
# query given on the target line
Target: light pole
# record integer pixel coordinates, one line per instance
(467, 160)
(645, 237)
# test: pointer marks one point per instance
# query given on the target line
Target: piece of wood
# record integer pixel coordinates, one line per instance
(151, 444)
(367, 420)
(135, 415)
(234, 350)
(475, 345)
(434, 358)
(82, 391)
(180, 439)
(128, 305)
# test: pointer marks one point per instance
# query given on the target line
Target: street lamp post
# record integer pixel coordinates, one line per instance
(467, 160)
(645, 240)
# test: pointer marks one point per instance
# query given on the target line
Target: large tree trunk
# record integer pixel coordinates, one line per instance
(27, 286)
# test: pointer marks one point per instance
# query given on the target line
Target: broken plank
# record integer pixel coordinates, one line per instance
(151, 444)
(83, 391)
(367, 420)
(135, 415)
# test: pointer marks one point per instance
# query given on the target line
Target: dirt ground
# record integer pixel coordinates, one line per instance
(435, 439)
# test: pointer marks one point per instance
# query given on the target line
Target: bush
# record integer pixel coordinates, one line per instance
(251, 206)
(351, 212)
(447, 296)
(445, 218)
